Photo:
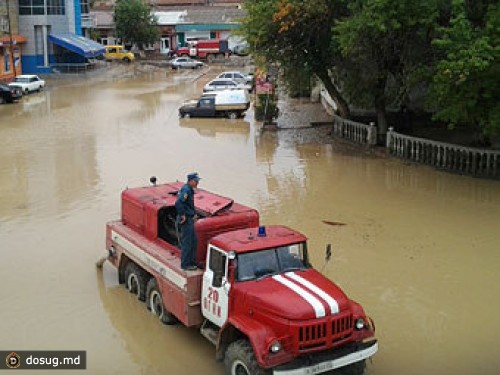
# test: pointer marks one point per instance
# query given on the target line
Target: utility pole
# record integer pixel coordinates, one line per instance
(11, 45)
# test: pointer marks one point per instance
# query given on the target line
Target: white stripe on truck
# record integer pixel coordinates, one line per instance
(148, 260)
(315, 303)
(334, 306)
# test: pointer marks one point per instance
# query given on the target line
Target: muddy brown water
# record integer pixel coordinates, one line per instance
(420, 249)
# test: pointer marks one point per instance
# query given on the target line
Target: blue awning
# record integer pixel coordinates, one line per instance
(78, 44)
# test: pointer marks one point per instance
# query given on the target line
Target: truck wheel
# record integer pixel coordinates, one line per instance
(154, 302)
(126, 59)
(186, 115)
(232, 115)
(135, 280)
(357, 368)
(240, 360)
(210, 58)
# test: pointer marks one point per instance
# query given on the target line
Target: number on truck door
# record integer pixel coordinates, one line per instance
(215, 287)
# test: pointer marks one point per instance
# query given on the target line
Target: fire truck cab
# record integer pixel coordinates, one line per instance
(257, 298)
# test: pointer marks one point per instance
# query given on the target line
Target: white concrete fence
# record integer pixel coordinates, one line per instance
(460, 159)
(455, 158)
(354, 131)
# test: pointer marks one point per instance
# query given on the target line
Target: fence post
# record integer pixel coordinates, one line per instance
(389, 136)
(372, 134)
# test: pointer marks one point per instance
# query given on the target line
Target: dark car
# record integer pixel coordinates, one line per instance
(8, 94)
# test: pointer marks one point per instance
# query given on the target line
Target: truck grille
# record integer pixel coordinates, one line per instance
(326, 333)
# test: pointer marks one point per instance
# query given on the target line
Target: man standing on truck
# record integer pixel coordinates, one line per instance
(185, 219)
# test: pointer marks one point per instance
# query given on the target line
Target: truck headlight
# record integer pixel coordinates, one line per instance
(360, 324)
(275, 347)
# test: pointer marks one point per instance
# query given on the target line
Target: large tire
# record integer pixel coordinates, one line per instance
(357, 368)
(2, 100)
(126, 59)
(240, 360)
(186, 115)
(135, 280)
(232, 115)
(154, 303)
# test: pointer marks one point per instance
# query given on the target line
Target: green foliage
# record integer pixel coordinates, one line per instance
(466, 86)
(387, 44)
(134, 22)
(294, 34)
(298, 81)
(266, 108)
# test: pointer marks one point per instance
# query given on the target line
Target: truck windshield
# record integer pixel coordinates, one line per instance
(272, 261)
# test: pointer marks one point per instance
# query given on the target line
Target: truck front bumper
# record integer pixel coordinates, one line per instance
(321, 362)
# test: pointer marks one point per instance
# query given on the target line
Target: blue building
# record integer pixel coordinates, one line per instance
(54, 34)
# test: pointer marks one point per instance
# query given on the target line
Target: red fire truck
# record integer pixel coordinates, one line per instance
(205, 49)
(256, 297)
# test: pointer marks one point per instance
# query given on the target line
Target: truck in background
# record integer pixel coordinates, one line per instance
(257, 298)
(226, 103)
(208, 49)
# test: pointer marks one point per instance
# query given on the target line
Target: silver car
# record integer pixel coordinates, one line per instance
(185, 62)
(218, 84)
(237, 76)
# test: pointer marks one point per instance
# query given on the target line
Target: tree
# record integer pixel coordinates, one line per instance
(298, 36)
(465, 89)
(134, 22)
(386, 43)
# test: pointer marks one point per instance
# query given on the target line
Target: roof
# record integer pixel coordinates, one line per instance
(246, 240)
(214, 15)
(77, 44)
(170, 18)
(16, 39)
(200, 15)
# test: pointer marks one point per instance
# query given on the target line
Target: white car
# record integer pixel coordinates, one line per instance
(218, 84)
(237, 76)
(28, 83)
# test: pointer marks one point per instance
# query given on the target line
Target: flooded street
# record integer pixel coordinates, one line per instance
(419, 248)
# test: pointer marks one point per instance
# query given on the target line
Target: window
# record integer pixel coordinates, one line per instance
(4, 24)
(269, 262)
(6, 60)
(84, 7)
(41, 7)
(217, 265)
(205, 103)
(56, 7)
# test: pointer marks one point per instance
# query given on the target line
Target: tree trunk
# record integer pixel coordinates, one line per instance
(380, 109)
(342, 106)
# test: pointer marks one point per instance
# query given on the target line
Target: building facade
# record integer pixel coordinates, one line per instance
(11, 43)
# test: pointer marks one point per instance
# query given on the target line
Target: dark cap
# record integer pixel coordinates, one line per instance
(193, 176)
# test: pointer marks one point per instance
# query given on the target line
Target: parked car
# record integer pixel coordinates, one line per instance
(237, 77)
(8, 94)
(185, 62)
(218, 84)
(118, 53)
(28, 83)
(241, 50)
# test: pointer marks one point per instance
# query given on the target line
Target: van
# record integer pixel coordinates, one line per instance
(118, 53)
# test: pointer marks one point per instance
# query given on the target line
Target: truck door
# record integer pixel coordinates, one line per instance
(215, 289)
(206, 107)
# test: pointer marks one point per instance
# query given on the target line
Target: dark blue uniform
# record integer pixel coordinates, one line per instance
(185, 207)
